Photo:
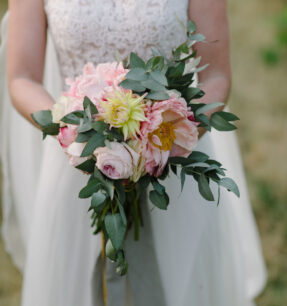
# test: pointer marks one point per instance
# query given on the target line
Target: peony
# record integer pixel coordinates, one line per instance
(112, 73)
(116, 162)
(121, 108)
(74, 152)
(67, 135)
(168, 132)
(90, 84)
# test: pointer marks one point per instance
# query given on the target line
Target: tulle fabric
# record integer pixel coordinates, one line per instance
(195, 254)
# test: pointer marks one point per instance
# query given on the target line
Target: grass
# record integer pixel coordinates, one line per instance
(259, 98)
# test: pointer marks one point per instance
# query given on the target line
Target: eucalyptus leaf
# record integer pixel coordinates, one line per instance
(111, 252)
(197, 37)
(220, 123)
(106, 183)
(208, 107)
(85, 125)
(92, 187)
(212, 161)
(180, 160)
(144, 181)
(192, 93)
(191, 27)
(120, 190)
(98, 198)
(43, 117)
(182, 178)
(88, 103)
(157, 95)
(153, 85)
(176, 71)
(84, 137)
(122, 212)
(173, 169)
(136, 61)
(159, 77)
(159, 200)
(199, 69)
(133, 85)
(184, 59)
(100, 126)
(87, 166)
(52, 129)
(137, 74)
(204, 121)
(158, 187)
(204, 188)
(97, 140)
(228, 116)
(115, 229)
(230, 185)
(197, 156)
(73, 118)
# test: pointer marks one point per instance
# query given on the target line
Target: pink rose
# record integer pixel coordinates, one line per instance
(74, 152)
(169, 132)
(112, 73)
(116, 162)
(67, 135)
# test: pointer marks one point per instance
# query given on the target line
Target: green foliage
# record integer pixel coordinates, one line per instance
(204, 170)
(115, 229)
(277, 50)
(45, 121)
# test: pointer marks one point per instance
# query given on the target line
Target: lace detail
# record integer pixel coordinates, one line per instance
(92, 30)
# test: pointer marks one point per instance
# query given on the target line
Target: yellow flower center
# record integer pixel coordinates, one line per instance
(165, 133)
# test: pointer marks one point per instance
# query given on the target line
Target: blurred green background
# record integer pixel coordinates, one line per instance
(259, 96)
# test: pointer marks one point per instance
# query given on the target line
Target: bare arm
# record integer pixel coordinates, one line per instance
(26, 55)
(211, 19)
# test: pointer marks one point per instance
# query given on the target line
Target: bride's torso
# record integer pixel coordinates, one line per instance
(93, 30)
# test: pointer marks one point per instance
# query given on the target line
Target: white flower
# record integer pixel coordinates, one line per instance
(59, 110)
(139, 167)
(74, 152)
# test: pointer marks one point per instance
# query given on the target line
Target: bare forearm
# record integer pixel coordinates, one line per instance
(28, 97)
(26, 47)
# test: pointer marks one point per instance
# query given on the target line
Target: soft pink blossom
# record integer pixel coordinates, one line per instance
(90, 84)
(169, 132)
(112, 73)
(74, 152)
(116, 162)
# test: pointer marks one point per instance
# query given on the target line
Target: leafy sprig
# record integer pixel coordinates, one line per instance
(159, 75)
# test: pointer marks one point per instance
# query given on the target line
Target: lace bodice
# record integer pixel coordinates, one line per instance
(92, 30)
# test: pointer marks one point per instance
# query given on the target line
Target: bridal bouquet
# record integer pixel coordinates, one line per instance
(127, 125)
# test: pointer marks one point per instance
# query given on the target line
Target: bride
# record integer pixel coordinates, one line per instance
(196, 254)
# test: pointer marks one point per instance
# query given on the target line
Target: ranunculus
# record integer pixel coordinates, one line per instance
(116, 162)
(112, 73)
(67, 135)
(59, 110)
(168, 132)
(74, 152)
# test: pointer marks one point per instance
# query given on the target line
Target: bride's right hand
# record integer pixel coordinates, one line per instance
(26, 56)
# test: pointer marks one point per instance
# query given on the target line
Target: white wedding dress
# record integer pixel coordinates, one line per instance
(195, 254)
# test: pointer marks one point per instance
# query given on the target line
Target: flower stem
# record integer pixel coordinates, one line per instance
(136, 216)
